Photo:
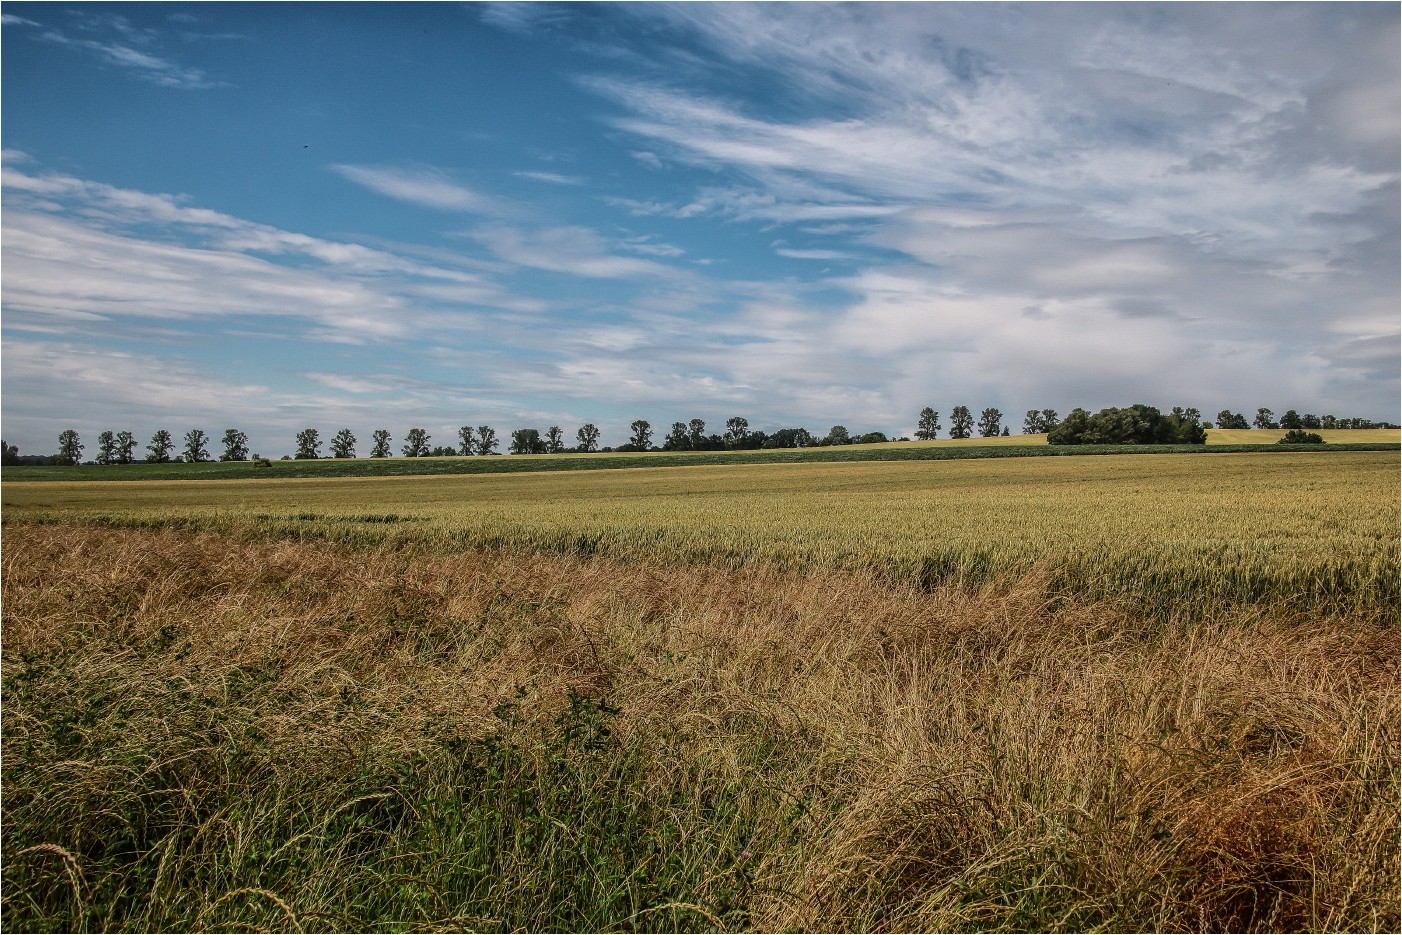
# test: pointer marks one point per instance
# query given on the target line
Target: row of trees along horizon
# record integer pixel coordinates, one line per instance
(1137, 424)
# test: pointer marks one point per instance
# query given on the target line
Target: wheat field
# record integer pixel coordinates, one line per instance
(1082, 694)
(1305, 529)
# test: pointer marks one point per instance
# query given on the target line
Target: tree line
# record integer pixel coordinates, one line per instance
(1137, 424)
(1265, 419)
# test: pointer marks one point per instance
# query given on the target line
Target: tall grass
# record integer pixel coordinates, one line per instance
(208, 733)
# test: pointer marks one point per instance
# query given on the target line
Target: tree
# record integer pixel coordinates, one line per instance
(736, 428)
(1049, 420)
(588, 436)
(308, 445)
(554, 440)
(527, 442)
(106, 448)
(1006, 433)
(696, 433)
(1033, 424)
(642, 435)
(838, 435)
(126, 447)
(1071, 430)
(1291, 420)
(1265, 419)
(486, 440)
(195, 451)
(929, 425)
(677, 439)
(416, 443)
(789, 438)
(70, 449)
(1133, 425)
(159, 449)
(1310, 421)
(381, 440)
(343, 444)
(235, 446)
(872, 438)
(467, 445)
(961, 422)
(990, 423)
(1226, 419)
(9, 454)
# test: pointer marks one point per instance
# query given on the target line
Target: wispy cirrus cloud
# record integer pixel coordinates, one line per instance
(574, 250)
(428, 187)
(80, 251)
(1171, 182)
(122, 45)
(553, 178)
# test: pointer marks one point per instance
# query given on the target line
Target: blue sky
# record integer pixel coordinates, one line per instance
(276, 216)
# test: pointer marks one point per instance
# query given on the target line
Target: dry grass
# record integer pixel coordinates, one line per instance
(203, 733)
(1330, 436)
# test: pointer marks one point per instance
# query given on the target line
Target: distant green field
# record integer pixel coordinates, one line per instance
(1014, 446)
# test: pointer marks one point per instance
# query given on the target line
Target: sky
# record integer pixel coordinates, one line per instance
(280, 216)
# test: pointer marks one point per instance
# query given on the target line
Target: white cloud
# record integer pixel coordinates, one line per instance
(145, 65)
(799, 254)
(431, 188)
(100, 388)
(347, 383)
(82, 251)
(578, 251)
(1176, 197)
(519, 18)
(553, 178)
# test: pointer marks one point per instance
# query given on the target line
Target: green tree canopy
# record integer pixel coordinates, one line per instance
(990, 423)
(308, 445)
(343, 444)
(159, 449)
(126, 447)
(416, 443)
(106, 448)
(928, 427)
(961, 422)
(235, 446)
(527, 442)
(70, 448)
(588, 437)
(1133, 425)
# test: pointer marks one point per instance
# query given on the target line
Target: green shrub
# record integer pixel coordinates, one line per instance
(1301, 437)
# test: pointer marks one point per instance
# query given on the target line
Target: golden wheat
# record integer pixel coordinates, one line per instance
(274, 726)
(1310, 529)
